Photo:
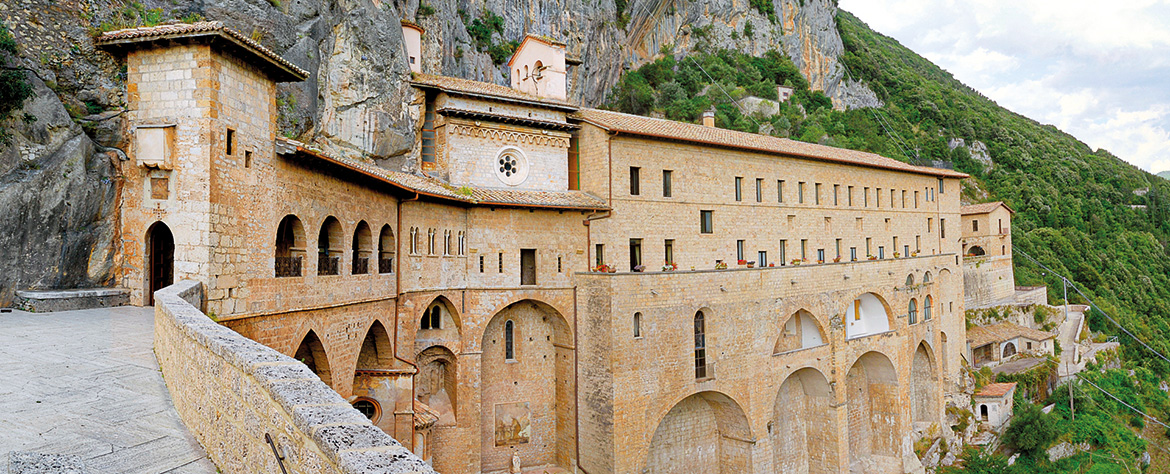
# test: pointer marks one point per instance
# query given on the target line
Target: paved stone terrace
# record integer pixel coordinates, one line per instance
(84, 386)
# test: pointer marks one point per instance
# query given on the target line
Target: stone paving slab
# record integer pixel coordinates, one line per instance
(82, 390)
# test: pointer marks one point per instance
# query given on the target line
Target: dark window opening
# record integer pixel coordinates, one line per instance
(247, 158)
(759, 190)
(574, 163)
(367, 408)
(527, 266)
(599, 254)
(738, 188)
(700, 346)
(231, 141)
(428, 132)
(635, 181)
(706, 222)
(666, 183)
(638, 325)
(509, 340)
(668, 251)
(635, 254)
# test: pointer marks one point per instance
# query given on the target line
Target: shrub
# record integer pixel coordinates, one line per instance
(14, 86)
(1031, 431)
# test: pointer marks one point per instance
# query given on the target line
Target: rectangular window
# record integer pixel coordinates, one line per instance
(853, 254)
(916, 199)
(783, 252)
(428, 134)
(838, 248)
(738, 188)
(903, 199)
(804, 249)
(599, 255)
(893, 198)
(881, 252)
(501, 263)
(895, 247)
(231, 141)
(527, 266)
(868, 246)
(821, 255)
(941, 189)
(635, 254)
(850, 194)
(817, 194)
(739, 250)
(666, 175)
(706, 222)
(865, 197)
(481, 263)
(929, 224)
(759, 189)
(942, 228)
(635, 180)
(905, 250)
(779, 190)
(247, 158)
(878, 195)
(762, 258)
(975, 225)
(574, 163)
(560, 269)
(917, 243)
(836, 191)
(800, 192)
(668, 251)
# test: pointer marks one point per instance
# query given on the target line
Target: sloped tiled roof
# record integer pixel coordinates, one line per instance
(982, 335)
(984, 208)
(996, 390)
(286, 70)
(437, 189)
(456, 85)
(424, 416)
(672, 130)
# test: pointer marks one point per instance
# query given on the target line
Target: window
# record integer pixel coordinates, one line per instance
(599, 254)
(783, 252)
(759, 189)
(574, 163)
(706, 222)
(975, 225)
(853, 254)
(762, 258)
(817, 194)
(481, 263)
(838, 248)
(739, 250)
(804, 249)
(913, 311)
(527, 266)
(868, 248)
(836, 191)
(446, 242)
(635, 180)
(926, 309)
(910, 280)
(849, 194)
(413, 240)
(559, 268)
(428, 134)
(637, 325)
(430, 241)
(462, 244)
(893, 197)
(509, 340)
(905, 250)
(432, 318)
(666, 175)
(800, 192)
(500, 268)
(917, 243)
(930, 224)
(668, 251)
(247, 158)
(738, 188)
(941, 189)
(635, 254)
(878, 195)
(916, 199)
(903, 199)
(779, 190)
(881, 252)
(368, 407)
(700, 346)
(895, 246)
(230, 142)
(821, 255)
(865, 197)
(942, 228)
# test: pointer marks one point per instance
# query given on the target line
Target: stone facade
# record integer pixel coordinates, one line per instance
(457, 307)
(988, 275)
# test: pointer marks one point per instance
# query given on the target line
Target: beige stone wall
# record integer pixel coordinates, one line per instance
(988, 281)
(231, 392)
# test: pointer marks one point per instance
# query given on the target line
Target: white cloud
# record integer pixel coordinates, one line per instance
(1096, 70)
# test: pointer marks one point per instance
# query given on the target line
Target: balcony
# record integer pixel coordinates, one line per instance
(288, 267)
(361, 266)
(327, 265)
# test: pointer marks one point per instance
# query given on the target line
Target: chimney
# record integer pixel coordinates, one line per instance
(708, 119)
(412, 33)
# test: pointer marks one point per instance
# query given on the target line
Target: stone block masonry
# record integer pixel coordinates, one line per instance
(231, 392)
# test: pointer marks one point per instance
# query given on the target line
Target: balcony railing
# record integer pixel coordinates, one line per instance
(327, 265)
(386, 265)
(361, 266)
(288, 267)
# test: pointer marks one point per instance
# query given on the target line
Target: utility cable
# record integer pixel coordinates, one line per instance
(1155, 420)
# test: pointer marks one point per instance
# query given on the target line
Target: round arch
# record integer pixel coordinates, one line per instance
(311, 352)
(330, 244)
(874, 418)
(160, 259)
(290, 247)
(801, 330)
(800, 442)
(362, 248)
(436, 384)
(867, 314)
(704, 432)
(976, 251)
(386, 249)
(923, 386)
(1009, 349)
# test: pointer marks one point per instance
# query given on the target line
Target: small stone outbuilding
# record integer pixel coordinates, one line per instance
(993, 404)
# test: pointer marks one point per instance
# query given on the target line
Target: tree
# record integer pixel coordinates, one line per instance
(1031, 431)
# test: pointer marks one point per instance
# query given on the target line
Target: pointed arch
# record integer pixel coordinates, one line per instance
(439, 314)
(923, 386)
(311, 352)
(377, 351)
(874, 413)
(705, 432)
(800, 443)
(867, 314)
(160, 259)
(800, 331)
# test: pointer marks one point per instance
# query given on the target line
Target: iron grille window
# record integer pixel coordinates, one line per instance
(700, 346)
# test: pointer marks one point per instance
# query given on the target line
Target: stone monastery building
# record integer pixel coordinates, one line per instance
(578, 289)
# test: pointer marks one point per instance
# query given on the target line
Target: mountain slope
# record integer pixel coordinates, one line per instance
(1164, 174)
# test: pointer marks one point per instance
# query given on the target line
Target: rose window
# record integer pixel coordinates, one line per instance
(511, 166)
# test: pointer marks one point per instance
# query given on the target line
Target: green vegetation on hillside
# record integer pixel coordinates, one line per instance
(14, 87)
(1075, 206)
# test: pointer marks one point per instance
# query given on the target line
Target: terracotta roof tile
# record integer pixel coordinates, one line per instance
(996, 389)
(984, 208)
(435, 188)
(982, 335)
(424, 416)
(485, 89)
(202, 28)
(669, 129)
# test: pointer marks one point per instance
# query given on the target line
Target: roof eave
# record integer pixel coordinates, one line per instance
(277, 72)
(532, 102)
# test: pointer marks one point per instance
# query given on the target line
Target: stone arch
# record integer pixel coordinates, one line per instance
(705, 432)
(927, 308)
(330, 241)
(519, 398)
(377, 351)
(804, 433)
(160, 259)
(362, 248)
(1009, 349)
(386, 249)
(447, 317)
(926, 277)
(800, 331)
(910, 280)
(290, 247)
(873, 411)
(436, 384)
(975, 251)
(311, 352)
(867, 314)
(912, 311)
(923, 386)
(983, 412)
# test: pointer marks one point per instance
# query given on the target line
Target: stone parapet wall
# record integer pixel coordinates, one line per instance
(231, 392)
(988, 281)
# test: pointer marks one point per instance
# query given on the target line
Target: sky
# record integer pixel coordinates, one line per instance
(1099, 70)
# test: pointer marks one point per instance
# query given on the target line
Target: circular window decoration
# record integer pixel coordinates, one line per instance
(511, 166)
(368, 407)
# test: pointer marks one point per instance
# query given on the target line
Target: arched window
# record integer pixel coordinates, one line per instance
(913, 311)
(413, 240)
(509, 342)
(975, 251)
(926, 278)
(290, 247)
(910, 280)
(432, 318)
(430, 241)
(700, 346)
(362, 248)
(446, 242)
(386, 250)
(329, 249)
(926, 308)
(637, 324)
(462, 244)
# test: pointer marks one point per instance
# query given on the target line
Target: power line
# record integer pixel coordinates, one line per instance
(1155, 420)
(1091, 303)
(898, 141)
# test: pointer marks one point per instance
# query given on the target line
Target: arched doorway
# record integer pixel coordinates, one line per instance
(520, 392)
(923, 387)
(804, 435)
(160, 259)
(706, 432)
(311, 352)
(874, 421)
(1009, 350)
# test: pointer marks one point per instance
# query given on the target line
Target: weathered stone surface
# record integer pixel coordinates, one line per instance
(67, 300)
(37, 463)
